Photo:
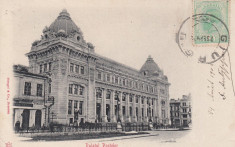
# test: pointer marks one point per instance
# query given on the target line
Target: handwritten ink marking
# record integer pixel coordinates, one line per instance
(231, 73)
(211, 87)
(222, 95)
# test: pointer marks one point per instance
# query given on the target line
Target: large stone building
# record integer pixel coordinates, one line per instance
(181, 111)
(88, 87)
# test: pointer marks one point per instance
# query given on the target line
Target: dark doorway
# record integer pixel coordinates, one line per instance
(38, 118)
(108, 112)
(25, 123)
(98, 112)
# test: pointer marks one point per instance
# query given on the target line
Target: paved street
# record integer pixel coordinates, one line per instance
(155, 137)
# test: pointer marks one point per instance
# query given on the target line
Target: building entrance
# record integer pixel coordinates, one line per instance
(25, 122)
(38, 118)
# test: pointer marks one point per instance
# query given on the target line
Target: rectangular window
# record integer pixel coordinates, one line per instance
(99, 75)
(75, 104)
(184, 110)
(70, 88)
(152, 101)
(71, 67)
(108, 77)
(124, 97)
(49, 66)
(116, 80)
(116, 97)
(184, 104)
(75, 89)
(98, 93)
(39, 89)
(142, 111)
(124, 82)
(45, 67)
(40, 68)
(70, 120)
(70, 107)
(77, 68)
(80, 107)
(82, 70)
(81, 90)
(137, 100)
(108, 95)
(130, 111)
(185, 116)
(27, 88)
(142, 101)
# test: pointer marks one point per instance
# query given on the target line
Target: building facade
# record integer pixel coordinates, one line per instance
(31, 99)
(90, 88)
(181, 112)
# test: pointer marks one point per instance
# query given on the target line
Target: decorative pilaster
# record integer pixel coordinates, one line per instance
(127, 109)
(120, 107)
(145, 110)
(103, 106)
(113, 117)
(32, 118)
(134, 108)
(140, 110)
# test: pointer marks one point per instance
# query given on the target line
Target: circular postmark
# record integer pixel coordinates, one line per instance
(204, 37)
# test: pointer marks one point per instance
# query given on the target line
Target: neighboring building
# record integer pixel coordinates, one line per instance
(31, 98)
(87, 87)
(180, 111)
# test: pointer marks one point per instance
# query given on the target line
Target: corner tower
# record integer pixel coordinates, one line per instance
(67, 59)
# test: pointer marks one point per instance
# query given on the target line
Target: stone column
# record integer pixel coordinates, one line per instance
(127, 109)
(103, 105)
(140, 109)
(145, 109)
(112, 107)
(43, 120)
(18, 116)
(32, 118)
(134, 108)
(155, 110)
(120, 107)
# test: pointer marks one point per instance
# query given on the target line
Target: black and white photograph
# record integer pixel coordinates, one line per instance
(117, 73)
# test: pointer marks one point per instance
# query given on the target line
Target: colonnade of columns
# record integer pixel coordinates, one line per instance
(132, 107)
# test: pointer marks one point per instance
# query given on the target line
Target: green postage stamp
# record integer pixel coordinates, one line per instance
(212, 25)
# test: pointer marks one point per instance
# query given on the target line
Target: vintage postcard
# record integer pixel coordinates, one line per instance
(117, 73)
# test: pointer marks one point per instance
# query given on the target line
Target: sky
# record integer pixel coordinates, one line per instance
(121, 31)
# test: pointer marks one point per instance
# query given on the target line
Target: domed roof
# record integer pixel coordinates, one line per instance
(150, 66)
(64, 22)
